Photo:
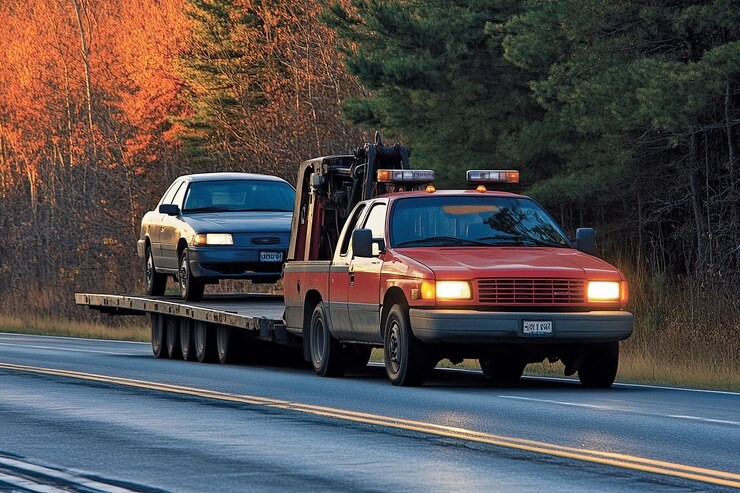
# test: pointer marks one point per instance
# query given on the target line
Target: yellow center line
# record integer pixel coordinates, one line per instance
(625, 461)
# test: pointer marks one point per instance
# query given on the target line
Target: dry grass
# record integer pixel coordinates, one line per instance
(132, 329)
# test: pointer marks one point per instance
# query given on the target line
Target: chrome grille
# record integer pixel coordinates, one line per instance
(531, 291)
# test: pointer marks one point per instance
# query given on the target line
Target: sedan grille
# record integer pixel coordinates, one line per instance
(531, 291)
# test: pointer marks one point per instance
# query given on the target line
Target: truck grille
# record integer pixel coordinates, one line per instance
(531, 291)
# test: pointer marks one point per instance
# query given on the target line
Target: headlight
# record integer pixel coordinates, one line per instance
(453, 290)
(213, 239)
(603, 291)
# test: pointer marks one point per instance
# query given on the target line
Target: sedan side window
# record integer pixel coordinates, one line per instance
(171, 192)
(179, 195)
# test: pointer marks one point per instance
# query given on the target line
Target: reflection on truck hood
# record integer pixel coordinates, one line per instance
(240, 222)
(521, 262)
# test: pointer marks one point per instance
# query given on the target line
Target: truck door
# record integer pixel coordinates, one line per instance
(339, 277)
(364, 283)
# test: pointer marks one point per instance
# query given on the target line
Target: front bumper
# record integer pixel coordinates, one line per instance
(228, 262)
(479, 327)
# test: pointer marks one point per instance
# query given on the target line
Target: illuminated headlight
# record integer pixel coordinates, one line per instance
(453, 290)
(213, 239)
(603, 291)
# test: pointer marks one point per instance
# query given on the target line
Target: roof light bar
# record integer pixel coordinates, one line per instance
(405, 176)
(493, 176)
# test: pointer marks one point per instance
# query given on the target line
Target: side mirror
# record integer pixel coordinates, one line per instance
(169, 209)
(586, 240)
(362, 243)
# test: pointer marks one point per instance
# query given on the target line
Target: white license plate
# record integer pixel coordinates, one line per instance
(537, 327)
(271, 256)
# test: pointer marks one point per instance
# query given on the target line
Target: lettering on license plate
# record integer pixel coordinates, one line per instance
(537, 327)
(271, 256)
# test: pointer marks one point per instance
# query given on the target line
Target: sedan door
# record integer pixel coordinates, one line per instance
(170, 230)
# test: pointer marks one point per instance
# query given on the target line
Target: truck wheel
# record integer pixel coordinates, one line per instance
(225, 344)
(326, 352)
(599, 366)
(186, 339)
(155, 283)
(159, 336)
(191, 288)
(204, 342)
(173, 338)
(407, 359)
(501, 370)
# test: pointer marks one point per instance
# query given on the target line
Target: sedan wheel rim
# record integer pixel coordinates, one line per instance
(149, 268)
(184, 275)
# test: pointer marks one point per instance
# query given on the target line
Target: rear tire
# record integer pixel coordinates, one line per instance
(407, 359)
(187, 349)
(326, 352)
(173, 338)
(155, 283)
(599, 367)
(205, 343)
(191, 288)
(159, 336)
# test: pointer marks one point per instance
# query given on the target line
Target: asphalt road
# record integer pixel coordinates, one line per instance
(85, 415)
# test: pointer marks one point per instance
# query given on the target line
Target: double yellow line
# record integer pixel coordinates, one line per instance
(711, 476)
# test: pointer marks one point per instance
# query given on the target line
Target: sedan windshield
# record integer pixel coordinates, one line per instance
(473, 220)
(238, 196)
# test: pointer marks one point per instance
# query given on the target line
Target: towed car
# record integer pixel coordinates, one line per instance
(213, 226)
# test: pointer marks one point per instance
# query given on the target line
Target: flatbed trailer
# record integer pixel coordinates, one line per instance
(219, 327)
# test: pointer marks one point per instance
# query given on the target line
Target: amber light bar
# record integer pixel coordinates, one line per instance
(493, 176)
(405, 176)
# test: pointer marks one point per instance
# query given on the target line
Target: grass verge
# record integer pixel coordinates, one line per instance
(137, 329)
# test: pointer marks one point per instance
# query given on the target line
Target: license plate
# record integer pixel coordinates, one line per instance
(271, 256)
(537, 327)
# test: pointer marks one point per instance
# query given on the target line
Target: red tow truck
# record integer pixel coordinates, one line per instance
(379, 257)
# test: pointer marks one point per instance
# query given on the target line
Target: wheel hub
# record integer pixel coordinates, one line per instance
(393, 346)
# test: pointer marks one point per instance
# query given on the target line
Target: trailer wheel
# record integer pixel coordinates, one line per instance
(502, 370)
(326, 352)
(173, 338)
(159, 336)
(599, 367)
(186, 339)
(155, 283)
(407, 359)
(225, 344)
(205, 343)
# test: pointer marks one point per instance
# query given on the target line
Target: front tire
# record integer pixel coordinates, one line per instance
(155, 283)
(599, 367)
(191, 288)
(407, 359)
(325, 350)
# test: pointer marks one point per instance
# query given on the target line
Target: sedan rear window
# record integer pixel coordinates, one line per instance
(239, 196)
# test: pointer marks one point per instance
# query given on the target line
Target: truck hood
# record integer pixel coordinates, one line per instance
(521, 262)
(240, 222)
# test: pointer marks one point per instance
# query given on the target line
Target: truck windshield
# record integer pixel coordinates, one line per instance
(238, 196)
(473, 220)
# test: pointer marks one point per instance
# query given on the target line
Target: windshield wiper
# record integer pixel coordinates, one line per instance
(261, 210)
(436, 239)
(212, 208)
(522, 240)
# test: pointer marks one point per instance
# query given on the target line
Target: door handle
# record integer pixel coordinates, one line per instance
(351, 277)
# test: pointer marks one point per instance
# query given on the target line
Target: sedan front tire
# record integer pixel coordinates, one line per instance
(191, 288)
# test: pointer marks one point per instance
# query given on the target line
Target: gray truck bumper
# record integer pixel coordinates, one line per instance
(472, 326)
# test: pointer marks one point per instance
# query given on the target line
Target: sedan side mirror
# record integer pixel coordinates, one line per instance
(169, 209)
(586, 240)
(362, 242)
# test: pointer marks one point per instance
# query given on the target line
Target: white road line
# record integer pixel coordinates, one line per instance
(562, 403)
(66, 349)
(707, 420)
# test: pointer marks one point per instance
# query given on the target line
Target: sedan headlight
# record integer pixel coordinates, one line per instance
(453, 290)
(603, 291)
(213, 239)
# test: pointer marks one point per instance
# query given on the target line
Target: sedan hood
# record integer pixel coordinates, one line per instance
(240, 222)
(520, 262)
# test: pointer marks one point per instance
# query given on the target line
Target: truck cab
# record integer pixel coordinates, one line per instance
(429, 274)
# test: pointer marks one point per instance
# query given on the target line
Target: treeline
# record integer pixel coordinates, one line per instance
(622, 115)
(104, 102)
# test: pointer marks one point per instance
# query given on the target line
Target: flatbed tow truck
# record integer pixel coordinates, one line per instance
(379, 258)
